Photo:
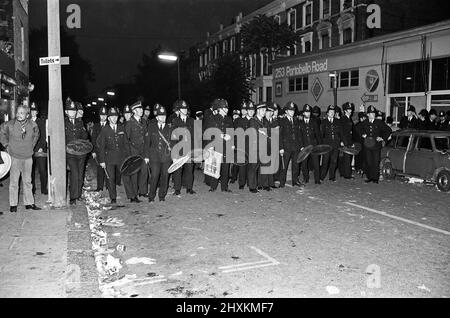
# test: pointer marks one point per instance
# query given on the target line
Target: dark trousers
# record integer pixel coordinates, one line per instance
(184, 175)
(346, 160)
(76, 165)
(41, 164)
(372, 160)
(288, 156)
(234, 172)
(311, 161)
(329, 163)
(142, 181)
(239, 173)
(159, 175)
(100, 177)
(255, 178)
(113, 173)
(131, 185)
(224, 171)
(360, 161)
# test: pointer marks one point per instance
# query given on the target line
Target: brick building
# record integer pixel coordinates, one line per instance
(14, 65)
(325, 26)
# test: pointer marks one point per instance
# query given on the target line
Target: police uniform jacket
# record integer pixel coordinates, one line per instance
(257, 124)
(272, 126)
(347, 130)
(405, 123)
(290, 136)
(74, 131)
(310, 132)
(223, 123)
(113, 147)
(156, 148)
(96, 129)
(376, 129)
(189, 125)
(135, 132)
(331, 132)
(41, 143)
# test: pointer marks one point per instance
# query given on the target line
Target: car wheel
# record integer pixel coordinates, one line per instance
(387, 171)
(443, 180)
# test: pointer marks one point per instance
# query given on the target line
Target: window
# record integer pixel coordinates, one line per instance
(292, 50)
(307, 43)
(266, 65)
(354, 78)
(442, 143)
(325, 9)
(269, 93)
(298, 84)
(216, 51)
(347, 36)
(292, 19)
(406, 78)
(211, 51)
(325, 41)
(440, 78)
(347, 4)
(277, 18)
(348, 78)
(260, 94)
(402, 142)
(344, 79)
(201, 60)
(307, 14)
(424, 144)
(232, 44)
(225, 47)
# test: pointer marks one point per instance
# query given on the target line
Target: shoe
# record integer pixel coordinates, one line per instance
(317, 182)
(32, 207)
(177, 192)
(73, 202)
(349, 178)
(241, 187)
(254, 191)
(296, 184)
(113, 201)
(332, 179)
(375, 181)
(151, 199)
(232, 181)
(226, 190)
(145, 195)
(267, 188)
(368, 181)
(98, 190)
(135, 200)
(274, 187)
(190, 191)
(281, 186)
(260, 188)
(13, 208)
(306, 181)
(212, 190)
(162, 199)
(45, 192)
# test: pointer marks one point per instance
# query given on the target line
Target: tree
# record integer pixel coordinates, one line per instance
(75, 76)
(264, 34)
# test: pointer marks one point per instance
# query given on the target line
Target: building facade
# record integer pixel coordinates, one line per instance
(14, 58)
(330, 30)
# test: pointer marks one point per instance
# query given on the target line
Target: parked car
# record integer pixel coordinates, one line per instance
(421, 153)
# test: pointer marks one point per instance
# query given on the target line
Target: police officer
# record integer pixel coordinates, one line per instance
(103, 114)
(74, 129)
(158, 154)
(209, 122)
(347, 140)
(434, 124)
(147, 112)
(379, 131)
(410, 120)
(40, 151)
(112, 148)
(136, 129)
(247, 112)
(127, 113)
(310, 135)
(359, 158)
(186, 172)
(273, 130)
(236, 119)
(443, 122)
(290, 144)
(316, 114)
(222, 122)
(80, 110)
(175, 113)
(423, 122)
(331, 134)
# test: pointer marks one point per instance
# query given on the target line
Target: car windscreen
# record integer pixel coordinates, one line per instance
(442, 143)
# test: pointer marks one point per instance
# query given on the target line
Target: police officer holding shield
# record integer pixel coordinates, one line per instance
(374, 132)
(135, 130)
(74, 129)
(331, 134)
(112, 148)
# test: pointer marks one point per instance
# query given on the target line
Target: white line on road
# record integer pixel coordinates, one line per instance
(399, 218)
(13, 243)
(243, 264)
(273, 260)
(269, 261)
(249, 267)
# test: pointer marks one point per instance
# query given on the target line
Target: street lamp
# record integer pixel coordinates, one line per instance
(110, 93)
(101, 99)
(172, 57)
(335, 77)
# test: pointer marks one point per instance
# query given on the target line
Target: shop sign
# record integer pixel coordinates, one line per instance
(301, 69)
(369, 98)
(372, 80)
(317, 89)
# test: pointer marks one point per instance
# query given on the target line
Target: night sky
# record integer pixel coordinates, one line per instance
(115, 33)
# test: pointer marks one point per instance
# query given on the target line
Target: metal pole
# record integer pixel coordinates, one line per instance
(57, 151)
(335, 89)
(179, 81)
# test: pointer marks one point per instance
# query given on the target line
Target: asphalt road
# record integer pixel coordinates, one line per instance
(342, 239)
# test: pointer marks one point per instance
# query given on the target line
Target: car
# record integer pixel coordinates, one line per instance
(419, 153)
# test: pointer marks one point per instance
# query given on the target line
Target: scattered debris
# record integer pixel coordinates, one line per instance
(40, 253)
(177, 273)
(235, 257)
(143, 260)
(332, 290)
(151, 274)
(423, 287)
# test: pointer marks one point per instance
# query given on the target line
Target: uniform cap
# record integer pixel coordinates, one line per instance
(161, 110)
(347, 106)
(271, 106)
(147, 108)
(441, 113)
(199, 113)
(316, 110)
(371, 109)
(236, 112)
(137, 104)
(126, 109)
(244, 105)
(307, 108)
(33, 106)
(423, 112)
(180, 104)
(290, 106)
(113, 112)
(261, 105)
(103, 111)
(70, 104)
(79, 106)
(411, 108)
(433, 112)
(250, 106)
(361, 114)
(331, 107)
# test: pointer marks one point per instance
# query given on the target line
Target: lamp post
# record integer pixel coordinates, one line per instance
(171, 57)
(334, 76)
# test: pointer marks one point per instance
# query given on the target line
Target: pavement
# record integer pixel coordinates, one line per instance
(338, 239)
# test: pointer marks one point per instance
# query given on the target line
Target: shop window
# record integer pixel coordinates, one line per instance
(298, 84)
(307, 14)
(440, 78)
(406, 78)
(325, 9)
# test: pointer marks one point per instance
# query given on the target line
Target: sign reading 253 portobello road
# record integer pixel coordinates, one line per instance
(301, 69)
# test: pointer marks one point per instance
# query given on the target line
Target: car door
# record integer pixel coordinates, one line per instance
(398, 152)
(420, 160)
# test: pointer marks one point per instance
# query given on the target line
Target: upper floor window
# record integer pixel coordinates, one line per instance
(225, 47)
(277, 18)
(307, 42)
(325, 9)
(292, 19)
(347, 4)
(233, 44)
(216, 51)
(307, 14)
(347, 36)
(298, 84)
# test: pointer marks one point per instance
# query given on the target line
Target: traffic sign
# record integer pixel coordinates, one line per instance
(49, 60)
